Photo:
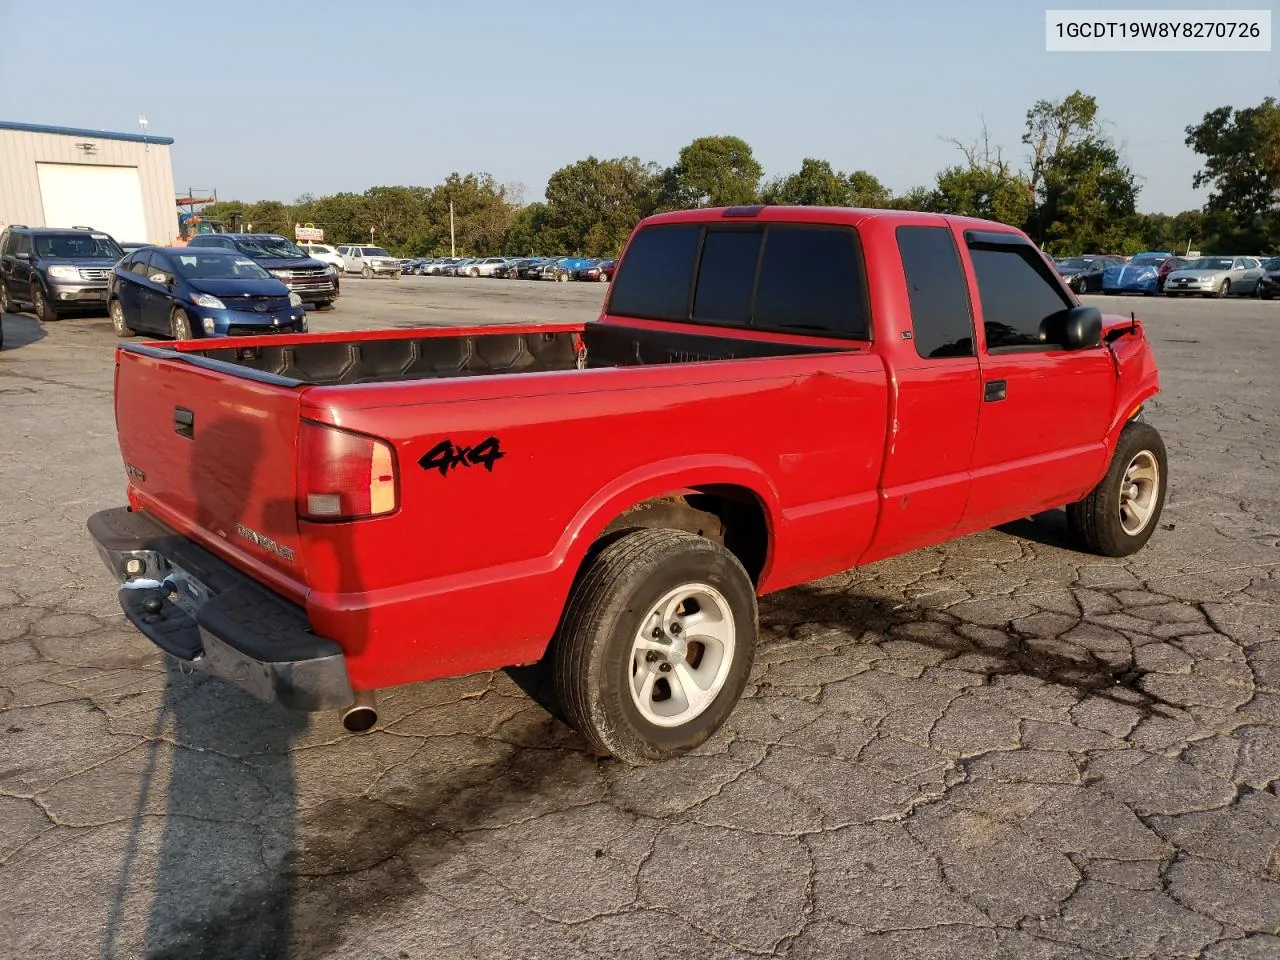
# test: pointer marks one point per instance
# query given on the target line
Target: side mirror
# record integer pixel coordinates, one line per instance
(1082, 328)
(158, 278)
(23, 256)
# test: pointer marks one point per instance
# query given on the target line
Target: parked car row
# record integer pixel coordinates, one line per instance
(1164, 273)
(513, 268)
(219, 284)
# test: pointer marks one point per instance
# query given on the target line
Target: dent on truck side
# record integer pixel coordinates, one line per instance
(1137, 382)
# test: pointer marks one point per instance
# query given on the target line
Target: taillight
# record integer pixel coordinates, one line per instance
(344, 475)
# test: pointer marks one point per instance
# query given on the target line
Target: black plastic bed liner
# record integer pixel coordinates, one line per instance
(422, 358)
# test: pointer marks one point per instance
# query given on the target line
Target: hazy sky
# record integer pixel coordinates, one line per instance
(275, 99)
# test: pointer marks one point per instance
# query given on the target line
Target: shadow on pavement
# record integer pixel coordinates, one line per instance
(20, 331)
(244, 868)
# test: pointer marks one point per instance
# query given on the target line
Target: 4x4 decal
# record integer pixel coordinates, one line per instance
(444, 456)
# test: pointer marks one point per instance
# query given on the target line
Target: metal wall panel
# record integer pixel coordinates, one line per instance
(21, 150)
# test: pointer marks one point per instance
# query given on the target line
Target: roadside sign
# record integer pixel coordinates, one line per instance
(308, 232)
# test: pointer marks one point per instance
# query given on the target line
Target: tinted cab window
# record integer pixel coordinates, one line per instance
(1021, 301)
(784, 277)
(941, 322)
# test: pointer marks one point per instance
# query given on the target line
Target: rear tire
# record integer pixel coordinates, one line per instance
(40, 304)
(6, 305)
(180, 325)
(116, 311)
(1121, 513)
(655, 645)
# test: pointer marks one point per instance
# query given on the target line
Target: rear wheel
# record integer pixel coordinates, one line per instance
(655, 644)
(40, 302)
(180, 324)
(6, 305)
(116, 311)
(1120, 515)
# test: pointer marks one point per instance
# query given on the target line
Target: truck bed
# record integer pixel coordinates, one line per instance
(381, 357)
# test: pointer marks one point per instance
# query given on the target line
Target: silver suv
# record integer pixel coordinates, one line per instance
(369, 262)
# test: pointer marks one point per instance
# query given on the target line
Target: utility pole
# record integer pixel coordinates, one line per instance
(453, 247)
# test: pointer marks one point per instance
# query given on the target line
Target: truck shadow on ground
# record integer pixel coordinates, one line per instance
(20, 331)
(243, 868)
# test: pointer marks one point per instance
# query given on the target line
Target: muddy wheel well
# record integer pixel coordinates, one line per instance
(729, 515)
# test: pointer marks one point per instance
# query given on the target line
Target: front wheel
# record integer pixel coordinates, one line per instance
(6, 305)
(1121, 513)
(122, 329)
(1224, 289)
(367, 273)
(44, 310)
(180, 324)
(655, 645)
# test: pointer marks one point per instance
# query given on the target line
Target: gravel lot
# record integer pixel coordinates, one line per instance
(996, 748)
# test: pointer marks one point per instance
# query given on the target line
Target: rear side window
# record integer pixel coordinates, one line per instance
(1020, 302)
(940, 319)
(778, 277)
(726, 276)
(657, 274)
(811, 279)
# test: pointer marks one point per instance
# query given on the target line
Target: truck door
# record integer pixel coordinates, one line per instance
(1045, 409)
(937, 385)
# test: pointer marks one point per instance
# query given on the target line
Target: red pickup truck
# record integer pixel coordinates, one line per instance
(770, 395)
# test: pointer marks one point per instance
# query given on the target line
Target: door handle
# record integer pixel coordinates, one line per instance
(995, 390)
(184, 422)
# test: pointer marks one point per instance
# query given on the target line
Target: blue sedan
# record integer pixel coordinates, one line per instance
(186, 292)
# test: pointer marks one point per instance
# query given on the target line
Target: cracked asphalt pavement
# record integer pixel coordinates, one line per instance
(995, 748)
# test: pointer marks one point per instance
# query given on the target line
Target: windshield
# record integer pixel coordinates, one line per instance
(1073, 263)
(1210, 263)
(269, 246)
(87, 246)
(374, 252)
(1147, 260)
(218, 266)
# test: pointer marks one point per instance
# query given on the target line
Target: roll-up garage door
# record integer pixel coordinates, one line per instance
(83, 195)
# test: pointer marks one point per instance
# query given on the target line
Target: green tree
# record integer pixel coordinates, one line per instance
(528, 231)
(815, 184)
(481, 216)
(398, 215)
(866, 190)
(986, 185)
(1241, 151)
(592, 205)
(712, 172)
(1082, 197)
(1088, 202)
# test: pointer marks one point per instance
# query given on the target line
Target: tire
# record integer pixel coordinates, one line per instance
(473, 273)
(180, 325)
(1223, 290)
(396, 275)
(1264, 294)
(116, 311)
(562, 277)
(1100, 520)
(6, 305)
(40, 304)
(599, 655)
(366, 272)
(324, 304)
(604, 278)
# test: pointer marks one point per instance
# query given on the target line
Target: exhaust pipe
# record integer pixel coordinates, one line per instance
(362, 714)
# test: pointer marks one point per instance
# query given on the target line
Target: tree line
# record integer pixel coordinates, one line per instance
(1071, 192)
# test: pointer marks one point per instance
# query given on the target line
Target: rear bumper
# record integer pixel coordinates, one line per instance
(208, 614)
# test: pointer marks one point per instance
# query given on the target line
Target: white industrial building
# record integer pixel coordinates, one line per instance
(121, 183)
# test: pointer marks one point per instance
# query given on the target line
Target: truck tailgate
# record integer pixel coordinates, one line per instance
(213, 453)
